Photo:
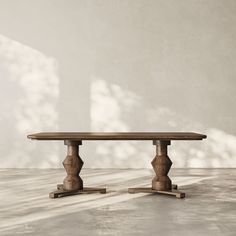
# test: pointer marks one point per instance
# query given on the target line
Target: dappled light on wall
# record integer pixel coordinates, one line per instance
(114, 108)
(110, 104)
(111, 107)
(217, 151)
(29, 93)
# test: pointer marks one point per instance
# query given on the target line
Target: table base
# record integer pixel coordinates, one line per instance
(60, 192)
(173, 192)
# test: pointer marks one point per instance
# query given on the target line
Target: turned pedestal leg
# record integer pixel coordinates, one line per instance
(161, 163)
(73, 184)
(73, 165)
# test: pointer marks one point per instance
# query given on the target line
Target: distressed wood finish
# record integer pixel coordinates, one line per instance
(173, 192)
(117, 136)
(161, 183)
(161, 165)
(73, 165)
(61, 192)
(73, 184)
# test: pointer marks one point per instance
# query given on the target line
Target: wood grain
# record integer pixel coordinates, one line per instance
(61, 192)
(73, 183)
(73, 165)
(161, 183)
(117, 136)
(161, 165)
(172, 192)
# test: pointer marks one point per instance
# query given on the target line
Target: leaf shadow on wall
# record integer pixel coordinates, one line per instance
(29, 94)
(114, 108)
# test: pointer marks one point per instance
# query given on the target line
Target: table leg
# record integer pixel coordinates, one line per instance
(73, 184)
(161, 183)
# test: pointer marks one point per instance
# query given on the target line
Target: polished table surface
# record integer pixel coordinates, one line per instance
(117, 136)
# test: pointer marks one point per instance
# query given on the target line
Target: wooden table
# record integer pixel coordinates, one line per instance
(73, 184)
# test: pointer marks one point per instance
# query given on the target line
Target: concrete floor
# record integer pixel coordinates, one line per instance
(208, 209)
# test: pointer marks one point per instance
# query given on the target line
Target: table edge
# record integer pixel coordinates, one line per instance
(36, 136)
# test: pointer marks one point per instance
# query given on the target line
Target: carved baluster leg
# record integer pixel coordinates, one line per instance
(161, 163)
(73, 184)
(73, 165)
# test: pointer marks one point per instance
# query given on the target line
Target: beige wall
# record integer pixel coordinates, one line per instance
(107, 65)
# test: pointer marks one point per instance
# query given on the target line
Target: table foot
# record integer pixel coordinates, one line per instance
(174, 186)
(172, 192)
(60, 192)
